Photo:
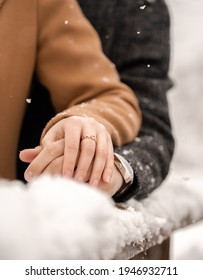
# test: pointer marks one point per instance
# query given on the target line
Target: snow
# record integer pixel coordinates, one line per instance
(105, 79)
(28, 100)
(52, 218)
(56, 218)
(143, 7)
(186, 104)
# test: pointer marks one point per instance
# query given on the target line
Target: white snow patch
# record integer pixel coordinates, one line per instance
(186, 101)
(143, 7)
(28, 100)
(105, 79)
(56, 218)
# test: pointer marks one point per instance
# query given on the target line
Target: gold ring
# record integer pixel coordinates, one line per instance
(89, 136)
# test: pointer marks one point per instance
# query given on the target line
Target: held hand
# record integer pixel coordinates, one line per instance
(70, 147)
(114, 185)
(55, 168)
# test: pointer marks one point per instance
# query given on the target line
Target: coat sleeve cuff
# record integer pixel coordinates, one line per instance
(80, 112)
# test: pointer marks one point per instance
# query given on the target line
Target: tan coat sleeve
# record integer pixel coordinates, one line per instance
(80, 79)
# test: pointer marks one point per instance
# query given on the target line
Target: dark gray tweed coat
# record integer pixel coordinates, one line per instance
(135, 36)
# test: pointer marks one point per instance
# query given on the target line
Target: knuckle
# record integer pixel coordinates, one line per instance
(72, 146)
(43, 142)
(55, 166)
(50, 150)
(73, 120)
(90, 120)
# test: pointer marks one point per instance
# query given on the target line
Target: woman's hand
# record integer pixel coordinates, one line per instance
(70, 148)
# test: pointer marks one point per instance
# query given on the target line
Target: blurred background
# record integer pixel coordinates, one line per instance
(186, 106)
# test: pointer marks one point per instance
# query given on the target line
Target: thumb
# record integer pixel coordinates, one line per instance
(28, 155)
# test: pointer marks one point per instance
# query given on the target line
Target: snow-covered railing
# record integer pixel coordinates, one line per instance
(54, 218)
(177, 204)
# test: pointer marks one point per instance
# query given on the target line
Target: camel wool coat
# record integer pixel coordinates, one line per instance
(53, 40)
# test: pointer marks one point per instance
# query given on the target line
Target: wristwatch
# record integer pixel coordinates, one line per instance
(127, 173)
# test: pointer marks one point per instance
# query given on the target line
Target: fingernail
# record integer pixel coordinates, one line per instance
(107, 179)
(95, 183)
(79, 179)
(28, 176)
(68, 173)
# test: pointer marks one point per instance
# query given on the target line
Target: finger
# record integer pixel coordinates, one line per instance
(115, 184)
(72, 144)
(55, 133)
(87, 153)
(45, 157)
(55, 167)
(100, 158)
(28, 155)
(109, 167)
(89, 172)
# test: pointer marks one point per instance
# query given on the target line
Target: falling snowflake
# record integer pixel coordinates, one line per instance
(105, 79)
(143, 7)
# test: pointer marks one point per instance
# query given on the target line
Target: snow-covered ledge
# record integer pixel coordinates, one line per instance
(54, 218)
